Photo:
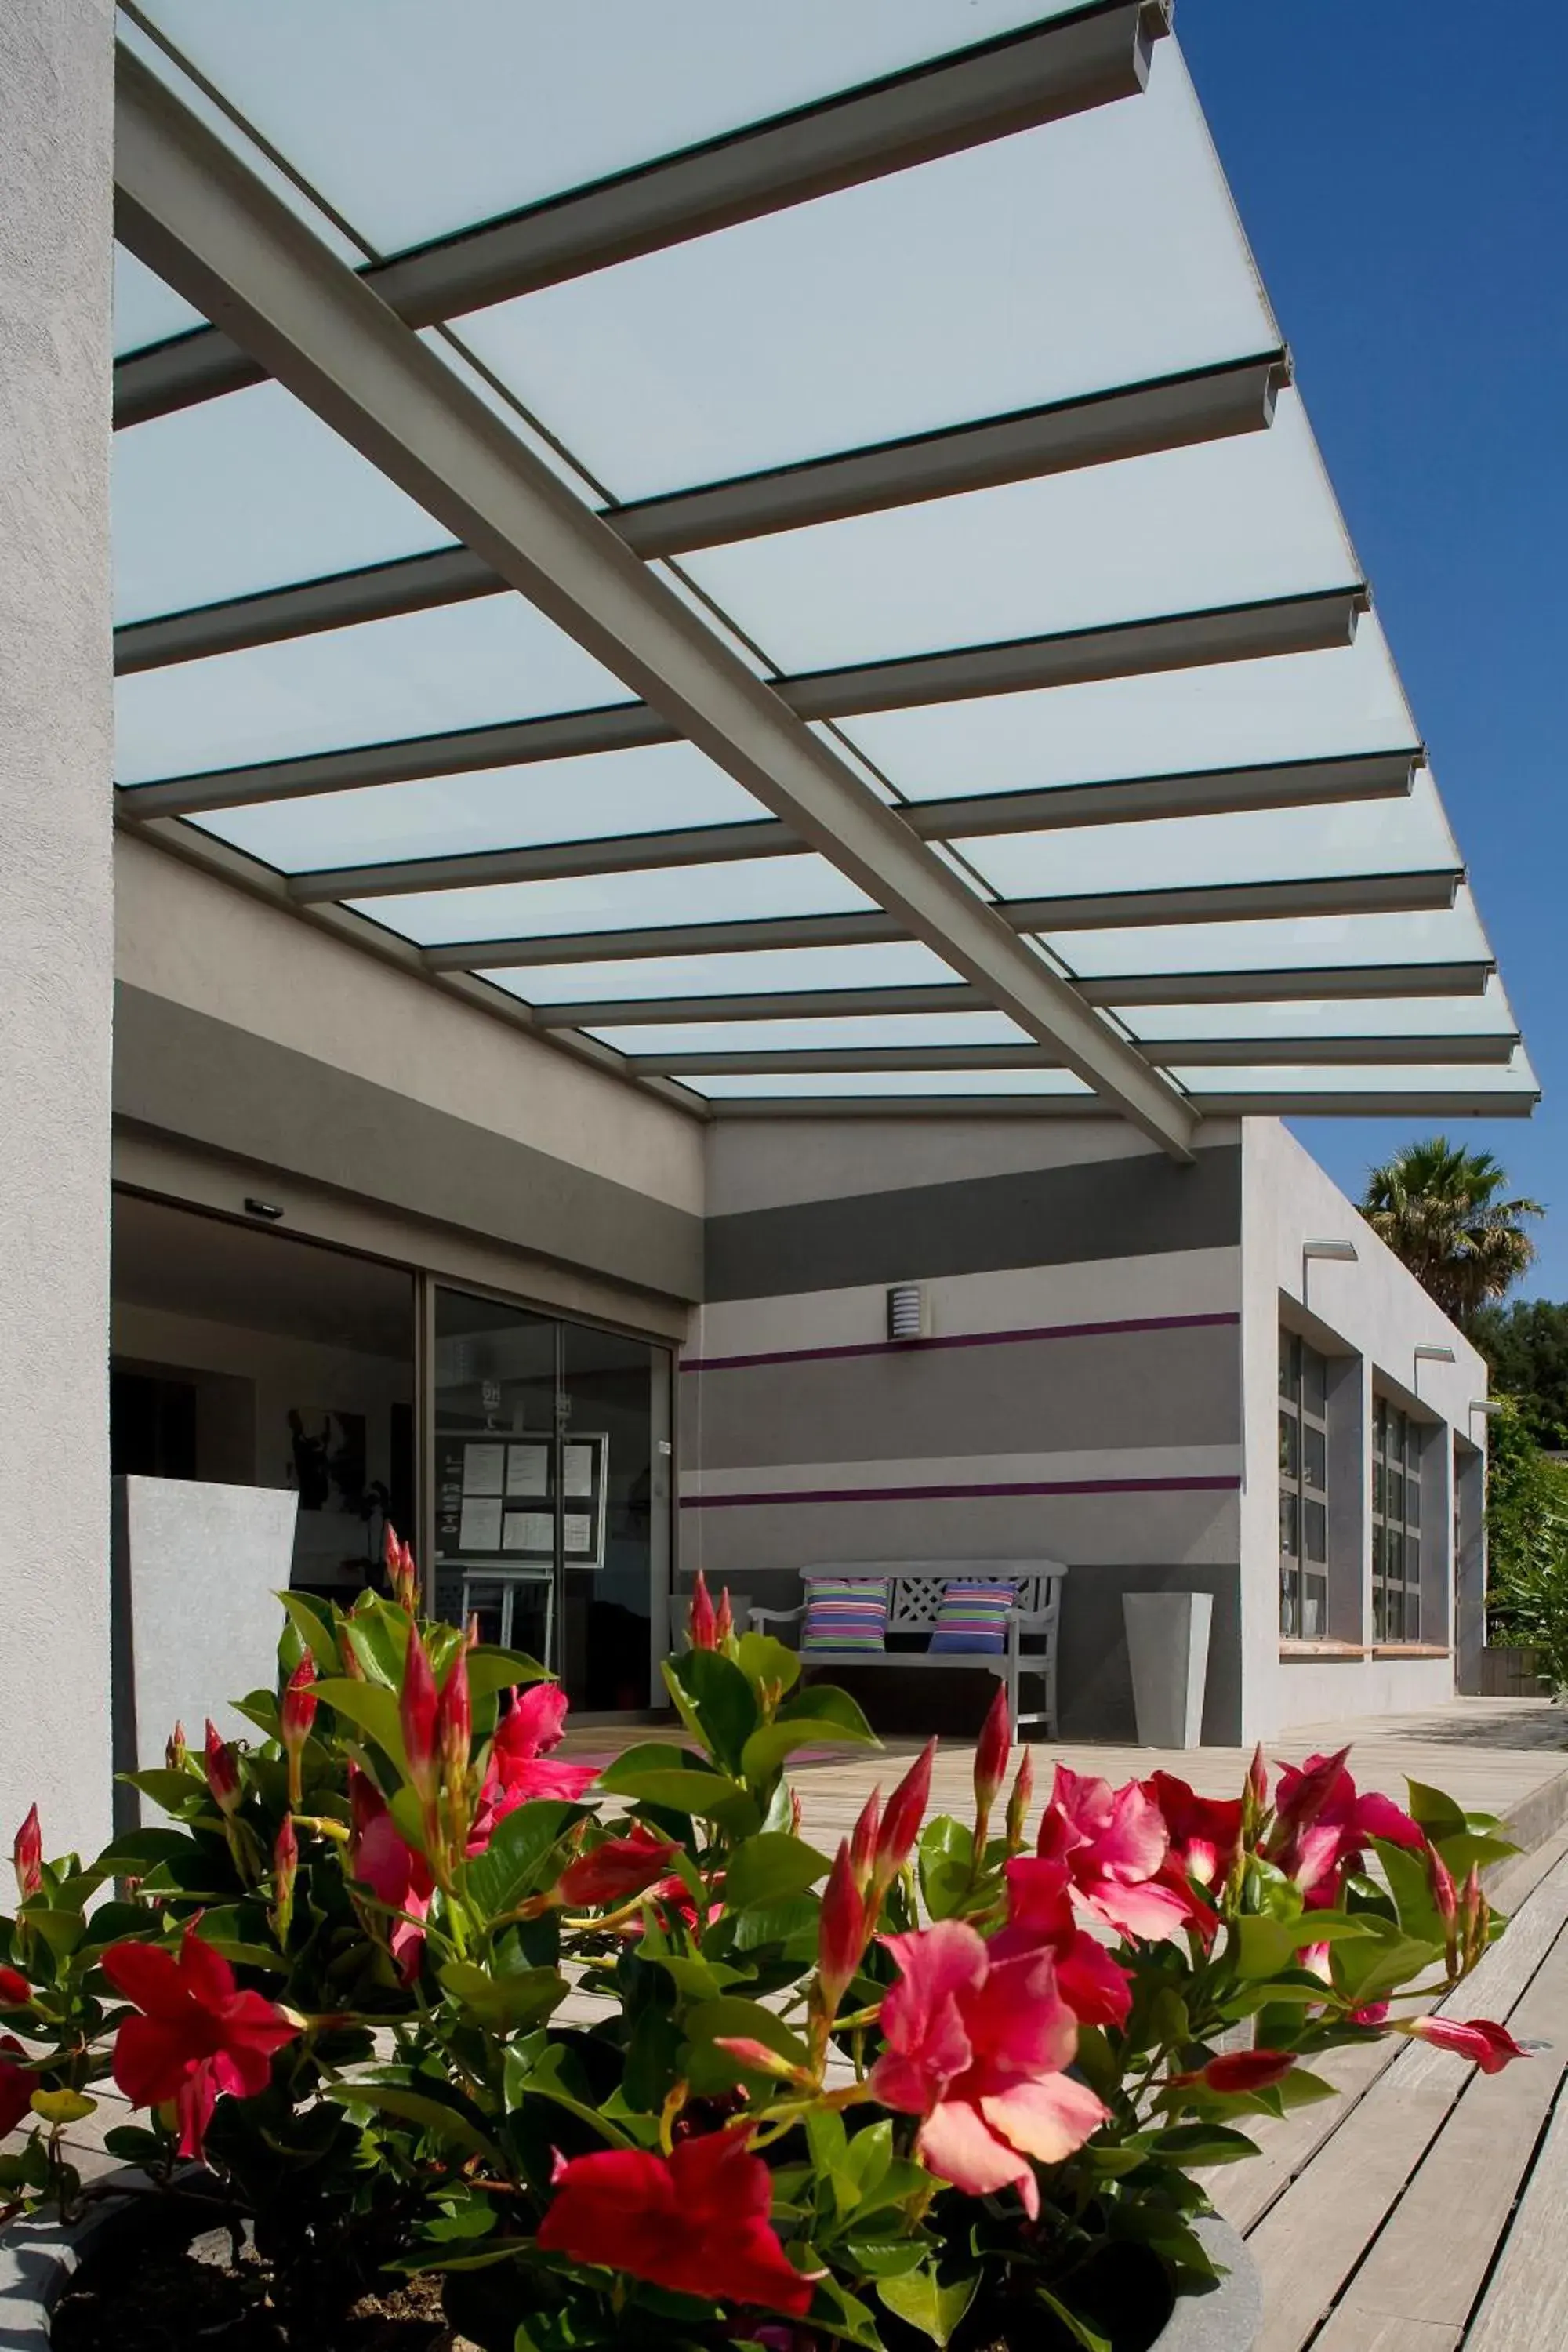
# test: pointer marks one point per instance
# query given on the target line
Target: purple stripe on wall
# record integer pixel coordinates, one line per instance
(1217, 1485)
(960, 1340)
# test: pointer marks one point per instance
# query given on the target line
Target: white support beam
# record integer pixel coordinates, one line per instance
(191, 211)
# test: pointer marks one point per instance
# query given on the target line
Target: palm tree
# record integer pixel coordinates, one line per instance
(1439, 1207)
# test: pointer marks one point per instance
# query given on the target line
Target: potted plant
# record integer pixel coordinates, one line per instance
(620, 2058)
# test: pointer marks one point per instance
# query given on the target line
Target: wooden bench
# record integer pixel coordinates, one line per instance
(915, 1589)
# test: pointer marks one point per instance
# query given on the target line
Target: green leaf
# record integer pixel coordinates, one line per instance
(681, 1783)
(825, 1703)
(765, 1751)
(879, 2258)
(1368, 1972)
(426, 2109)
(1436, 1813)
(505, 2004)
(129, 1856)
(793, 1925)
(491, 1670)
(696, 1979)
(57, 2107)
(312, 1621)
(520, 1858)
(770, 1869)
(724, 1701)
(842, 2314)
(870, 2155)
(533, 2070)
(921, 2299)
(1079, 2329)
(1202, 2144)
(174, 1791)
(765, 1662)
(710, 2071)
(370, 1708)
(1476, 1846)
(1263, 1946)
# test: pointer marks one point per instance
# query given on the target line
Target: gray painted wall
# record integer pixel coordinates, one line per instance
(56, 938)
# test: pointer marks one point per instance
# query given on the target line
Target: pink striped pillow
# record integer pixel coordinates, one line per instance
(973, 1618)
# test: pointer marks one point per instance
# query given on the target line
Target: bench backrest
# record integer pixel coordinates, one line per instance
(915, 1587)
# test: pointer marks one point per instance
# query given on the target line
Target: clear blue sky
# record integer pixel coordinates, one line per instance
(1402, 169)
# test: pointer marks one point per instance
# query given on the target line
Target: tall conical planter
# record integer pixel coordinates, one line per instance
(1168, 1649)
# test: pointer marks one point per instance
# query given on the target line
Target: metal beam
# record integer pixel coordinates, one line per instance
(1386, 1102)
(1383, 775)
(1174, 413)
(1396, 1102)
(1333, 893)
(188, 208)
(988, 91)
(1298, 984)
(1186, 1053)
(1287, 625)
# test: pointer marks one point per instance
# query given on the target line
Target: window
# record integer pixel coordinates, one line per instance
(1303, 1489)
(1395, 1523)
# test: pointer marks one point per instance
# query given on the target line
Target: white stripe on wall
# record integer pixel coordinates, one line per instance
(1119, 1462)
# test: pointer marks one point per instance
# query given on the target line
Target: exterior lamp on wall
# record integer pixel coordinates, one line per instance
(907, 1311)
(1428, 1352)
(1342, 1253)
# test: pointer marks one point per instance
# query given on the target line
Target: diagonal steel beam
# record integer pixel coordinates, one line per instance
(1419, 889)
(1287, 624)
(188, 208)
(1383, 775)
(1172, 412)
(1039, 74)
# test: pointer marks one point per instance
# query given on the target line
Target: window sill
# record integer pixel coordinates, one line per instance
(1330, 1650)
(1411, 1650)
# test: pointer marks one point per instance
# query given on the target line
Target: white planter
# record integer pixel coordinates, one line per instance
(1168, 1647)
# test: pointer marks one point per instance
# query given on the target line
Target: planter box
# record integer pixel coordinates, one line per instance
(37, 2260)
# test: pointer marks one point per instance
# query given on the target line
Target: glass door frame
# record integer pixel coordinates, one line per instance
(663, 1521)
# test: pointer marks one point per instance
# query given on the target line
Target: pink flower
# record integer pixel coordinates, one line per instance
(1113, 1844)
(1491, 2046)
(518, 1770)
(615, 1870)
(394, 1874)
(1095, 1987)
(976, 2047)
(1204, 1832)
(1323, 1824)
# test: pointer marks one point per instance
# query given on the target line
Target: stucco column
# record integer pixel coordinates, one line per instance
(55, 913)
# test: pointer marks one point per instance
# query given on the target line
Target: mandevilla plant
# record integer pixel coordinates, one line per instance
(625, 2059)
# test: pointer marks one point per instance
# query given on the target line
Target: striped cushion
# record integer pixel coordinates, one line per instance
(846, 1613)
(974, 1617)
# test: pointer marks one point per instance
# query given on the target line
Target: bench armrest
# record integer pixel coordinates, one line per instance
(1033, 1620)
(755, 1617)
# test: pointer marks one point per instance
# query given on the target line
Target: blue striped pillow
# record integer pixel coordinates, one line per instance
(846, 1613)
(974, 1617)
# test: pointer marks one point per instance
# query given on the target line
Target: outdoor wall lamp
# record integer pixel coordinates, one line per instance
(1428, 1352)
(906, 1311)
(1488, 1405)
(1342, 1253)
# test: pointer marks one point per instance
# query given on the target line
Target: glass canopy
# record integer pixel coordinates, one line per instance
(915, 358)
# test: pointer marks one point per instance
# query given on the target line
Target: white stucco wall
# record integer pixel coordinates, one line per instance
(1375, 1308)
(56, 942)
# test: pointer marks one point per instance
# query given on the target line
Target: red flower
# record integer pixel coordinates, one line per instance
(1040, 1917)
(977, 2048)
(28, 1856)
(695, 2221)
(616, 1870)
(397, 1876)
(18, 2084)
(1113, 1844)
(1244, 2070)
(517, 1770)
(991, 1754)
(1323, 1824)
(1490, 2045)
(1204, 1832)
(198, 2033)
(15, 1990)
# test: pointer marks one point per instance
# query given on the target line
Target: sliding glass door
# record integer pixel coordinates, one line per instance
(550, 1482)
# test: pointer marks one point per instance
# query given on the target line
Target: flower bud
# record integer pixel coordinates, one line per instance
(701, 1625)
(901, 1820)
(471, 1630)
(175, 1751)
(841, 1933)
(295, 1716)
(455, 1723)
(16, 1993)
(1246, 2070)
(863, 1842)
(1255, 1795)
(1487, 2045)
(723, 1621)
(401, 1574)
(1446, 1901)
(759, 2059)
(418, 1708)
(223, 1773)
(285, 1870)
(28, 1856)
(1018, 1803)
(797, 1812)
(991, 1754)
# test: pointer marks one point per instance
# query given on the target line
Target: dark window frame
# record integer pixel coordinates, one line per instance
(1398, 1443)
(1303, 1403)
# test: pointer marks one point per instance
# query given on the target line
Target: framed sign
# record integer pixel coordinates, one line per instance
(495, 1498)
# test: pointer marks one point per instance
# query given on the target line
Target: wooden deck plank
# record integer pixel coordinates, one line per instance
(1310, 2242)
(1526, 2305)
(1431, 2259)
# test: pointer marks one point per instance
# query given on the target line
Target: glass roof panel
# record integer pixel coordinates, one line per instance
(1288, 706)
(639, 790)
(902, 964)
(145, 309)
(757, 886)
(883, 1083)
(1253, 844)
(1486, 1015)
(1350, 1082)
(1092, 252)
(1224, 523)
(461, 665)
(244, 493)
(1454, 935)
(414, 129)
(800, 1037)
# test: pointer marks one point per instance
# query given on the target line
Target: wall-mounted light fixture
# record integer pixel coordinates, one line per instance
(1488, 1406)
(907, 1311)
(1428, 1351)
(1342, 1253)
